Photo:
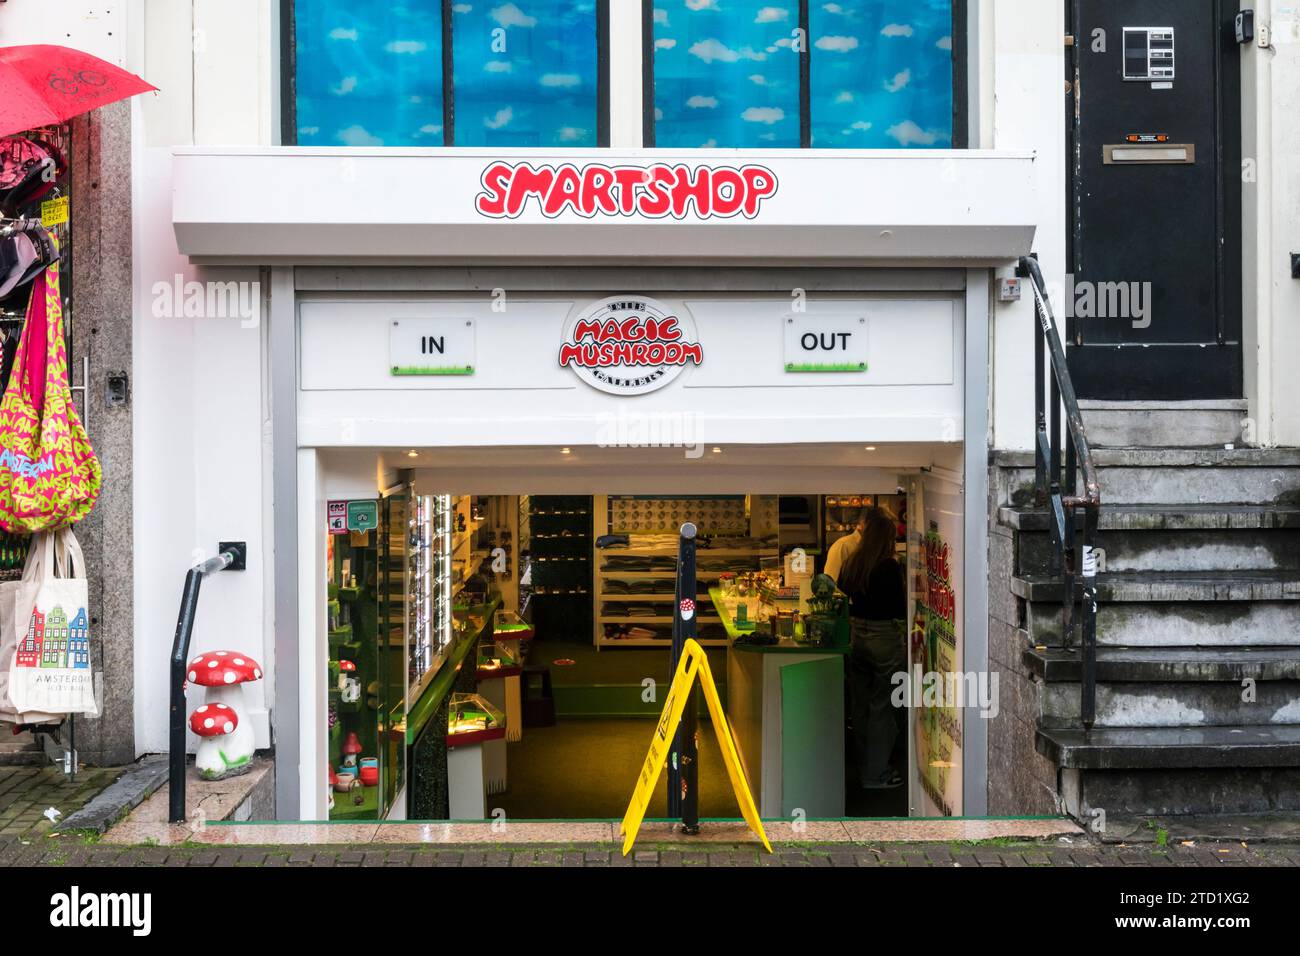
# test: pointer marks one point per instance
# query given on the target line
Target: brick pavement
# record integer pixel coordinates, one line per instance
(25, 840)
(72, 850)
(27, 792)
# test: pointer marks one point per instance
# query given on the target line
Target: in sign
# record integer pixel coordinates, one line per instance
(431, 347)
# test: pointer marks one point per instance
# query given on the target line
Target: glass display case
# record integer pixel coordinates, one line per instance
(509, 626)
(469, 714)
(496, 657)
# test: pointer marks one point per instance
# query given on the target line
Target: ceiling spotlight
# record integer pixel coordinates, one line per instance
(412, 454)
(717, 451)
(871, 448)
(565, 451)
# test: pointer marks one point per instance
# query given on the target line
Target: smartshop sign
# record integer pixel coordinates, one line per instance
(659, 191)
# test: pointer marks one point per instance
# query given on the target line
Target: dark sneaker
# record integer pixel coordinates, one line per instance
(889, 780)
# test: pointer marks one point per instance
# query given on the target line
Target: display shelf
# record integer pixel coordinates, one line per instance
(346, 807)
(654, 642)
(711, 616)
(760, 522)
(649, 575)
(670, 551)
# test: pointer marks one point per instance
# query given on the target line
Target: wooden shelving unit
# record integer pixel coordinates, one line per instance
(561, 550)
(601, 525)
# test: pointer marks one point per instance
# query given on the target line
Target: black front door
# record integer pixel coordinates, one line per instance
(1153, 304)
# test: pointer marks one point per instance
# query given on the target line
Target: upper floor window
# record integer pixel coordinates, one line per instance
(729, 73)
(866, 74)
(464, 73)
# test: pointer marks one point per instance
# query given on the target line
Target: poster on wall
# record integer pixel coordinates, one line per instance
(935, 675)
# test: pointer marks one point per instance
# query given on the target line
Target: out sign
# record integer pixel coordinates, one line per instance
(826, 343)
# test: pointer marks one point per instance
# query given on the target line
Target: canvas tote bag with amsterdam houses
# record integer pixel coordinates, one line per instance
(49, 479)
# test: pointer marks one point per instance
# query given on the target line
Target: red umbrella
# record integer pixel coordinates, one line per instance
(44, 85)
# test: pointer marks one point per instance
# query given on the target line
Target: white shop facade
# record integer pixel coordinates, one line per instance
(618, 325)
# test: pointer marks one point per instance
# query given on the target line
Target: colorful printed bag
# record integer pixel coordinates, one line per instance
(49, 475)
(49, 672)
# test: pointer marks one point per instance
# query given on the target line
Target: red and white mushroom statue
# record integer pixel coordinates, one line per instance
(226, 745)
(215, 724)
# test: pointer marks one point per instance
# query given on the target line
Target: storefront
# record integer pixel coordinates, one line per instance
(645, 339)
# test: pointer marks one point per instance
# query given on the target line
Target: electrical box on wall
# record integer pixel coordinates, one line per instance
(1245, 25)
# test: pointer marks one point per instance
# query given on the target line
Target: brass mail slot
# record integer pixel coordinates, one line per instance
(1138, 154)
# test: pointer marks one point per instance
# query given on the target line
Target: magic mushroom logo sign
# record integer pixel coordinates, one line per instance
(629, 345)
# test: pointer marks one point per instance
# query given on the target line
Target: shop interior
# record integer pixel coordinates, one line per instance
(508, 652)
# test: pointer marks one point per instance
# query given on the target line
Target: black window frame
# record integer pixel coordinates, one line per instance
(289, 75)
(960, 75)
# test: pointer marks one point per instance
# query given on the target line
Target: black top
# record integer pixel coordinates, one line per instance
(885, 598)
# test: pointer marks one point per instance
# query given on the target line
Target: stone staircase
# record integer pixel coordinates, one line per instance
(1198, 631)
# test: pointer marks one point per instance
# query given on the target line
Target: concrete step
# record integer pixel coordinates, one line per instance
(1185, 551)
(1168, 748)
(1159, 475)
(1176, 623)
(1179, 792)
(1206, 423)
(1169, 586)
(1173, 609)
(21, 750)
(1168, 518)
(1183, 704)
(1153, 665)
(1160, 537)
(1275, 823)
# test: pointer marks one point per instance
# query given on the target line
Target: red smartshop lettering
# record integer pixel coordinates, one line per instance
(655, 192)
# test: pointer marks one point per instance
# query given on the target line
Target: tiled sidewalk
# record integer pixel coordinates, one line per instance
(27, 792)
(67, 850)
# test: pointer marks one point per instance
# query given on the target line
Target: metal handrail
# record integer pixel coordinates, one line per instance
(231, 557)
(1069, 489)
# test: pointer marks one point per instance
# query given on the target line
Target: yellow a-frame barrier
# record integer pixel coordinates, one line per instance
(694, 662)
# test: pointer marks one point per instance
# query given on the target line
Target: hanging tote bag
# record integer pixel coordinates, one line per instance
(49, 475)
(50, 672)
(12, 634)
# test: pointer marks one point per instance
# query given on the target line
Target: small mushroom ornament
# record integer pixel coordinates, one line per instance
(226, 745)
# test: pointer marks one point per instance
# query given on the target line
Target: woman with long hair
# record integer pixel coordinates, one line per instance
(876, 585)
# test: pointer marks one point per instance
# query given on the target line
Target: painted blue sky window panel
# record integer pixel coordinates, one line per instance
(525, 73)
(369, 73)
(881, 73)
(726, 73)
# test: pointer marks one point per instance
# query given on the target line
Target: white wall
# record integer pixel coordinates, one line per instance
(1026, 77)
(97, 28)
(1271, 222)
(200, 398)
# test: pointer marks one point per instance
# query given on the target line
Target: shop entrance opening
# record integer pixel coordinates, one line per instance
(504, 654)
